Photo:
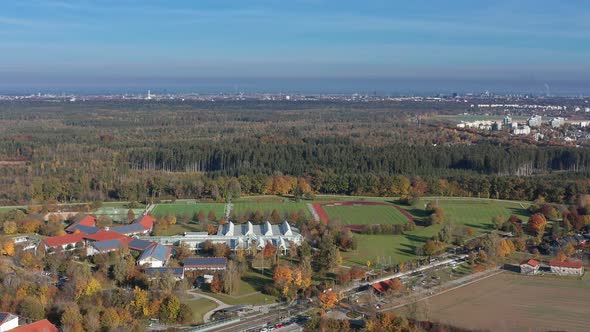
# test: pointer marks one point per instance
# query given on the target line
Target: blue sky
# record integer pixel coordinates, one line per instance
(51, 39)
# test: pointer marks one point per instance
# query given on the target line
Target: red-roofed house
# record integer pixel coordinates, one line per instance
(65, 242)
(103, 235)
(87, 220)
(566, 268)
(146, 221)
(384, 286)
(529, 266)
(38, 326)
(8, 321)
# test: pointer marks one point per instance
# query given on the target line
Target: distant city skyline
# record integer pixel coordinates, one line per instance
(69, 45)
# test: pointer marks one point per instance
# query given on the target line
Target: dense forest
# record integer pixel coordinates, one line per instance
(132, 150)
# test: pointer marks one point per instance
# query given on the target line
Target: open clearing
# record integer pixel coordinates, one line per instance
(361, 213)
(511, 302)
(266, 208)
(200, 307)
(470, 212)
(478, 213)
(251, 285)
(179, 209)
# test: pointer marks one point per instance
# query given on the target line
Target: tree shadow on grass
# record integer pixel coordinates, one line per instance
(487, 227)
(408, 249)
(257, 282)
(416, 238)
(519, 211)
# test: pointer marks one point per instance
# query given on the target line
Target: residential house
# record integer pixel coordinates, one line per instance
(566, 268)
(155, 256)
(205, 263)
(64, 242)
(529, 266)
(82, 220)
(8, 321)
(38, 326)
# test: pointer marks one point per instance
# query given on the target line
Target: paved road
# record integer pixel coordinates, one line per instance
(257, 321)
(403, 274)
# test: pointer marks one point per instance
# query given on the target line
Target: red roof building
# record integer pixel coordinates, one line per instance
(383, 286)
(530, 262)
(571, 265)
(64, 240)
(103, 235)
(87, 220)
(38, 326)
(147, 221)
(566, 268)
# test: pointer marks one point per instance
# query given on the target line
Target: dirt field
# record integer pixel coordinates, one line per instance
(510, 302)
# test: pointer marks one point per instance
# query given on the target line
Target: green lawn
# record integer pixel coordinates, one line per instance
(365, 215)
(478, 213)
(251, 286)
(179, 209)
(178, 229)
(200, 307)
(266, 208)
(474, 213)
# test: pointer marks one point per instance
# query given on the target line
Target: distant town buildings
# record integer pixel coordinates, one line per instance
(507, 120)
(557, 122)
(535, 121)
(524, 130)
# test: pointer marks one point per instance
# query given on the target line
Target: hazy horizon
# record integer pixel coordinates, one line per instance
(98, 45)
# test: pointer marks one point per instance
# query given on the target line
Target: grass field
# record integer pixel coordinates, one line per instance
(474, 213)
(266, 208)
(365, 215)
(200, 307)
(478, 213)
(511, 302)
(179, 209)
(250, 286)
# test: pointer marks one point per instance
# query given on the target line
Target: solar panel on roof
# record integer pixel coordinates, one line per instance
(205, 261)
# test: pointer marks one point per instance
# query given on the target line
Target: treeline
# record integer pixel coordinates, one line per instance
(154, 186)
(95, 151)
(343, 156)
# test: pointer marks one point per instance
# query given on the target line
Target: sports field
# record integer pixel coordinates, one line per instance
(360, 213)
(511, 302)
(266, 208)
(179, 209)
(474, 213)
(478, 213)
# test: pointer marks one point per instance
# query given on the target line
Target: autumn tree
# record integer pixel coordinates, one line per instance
(328, 299)
(216, 284)
(140, 302)
(170, 309)
(231, 278)
(130, 215)
(537, 224)
(71, 319)
(212, 216)
(433, 247)
(103, 221)
(201, 216)
(505, 248)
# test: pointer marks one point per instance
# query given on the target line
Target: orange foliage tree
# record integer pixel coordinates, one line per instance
(537, 224)
(328, 299)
